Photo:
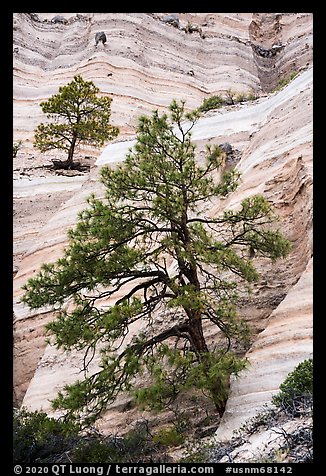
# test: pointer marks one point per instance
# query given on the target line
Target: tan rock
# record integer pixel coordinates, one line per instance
(285, 342)
(149, 62)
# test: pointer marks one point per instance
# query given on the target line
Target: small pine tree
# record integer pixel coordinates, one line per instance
(78, 115)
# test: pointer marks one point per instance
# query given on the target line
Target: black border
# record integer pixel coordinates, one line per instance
(6, 254)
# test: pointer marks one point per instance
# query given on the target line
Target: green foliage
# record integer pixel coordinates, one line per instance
(150, 248)
(297, 385)
(169, 437)
(134, 447)
(212, 102)
(78, 116)
(174, 372)
(96, 451)
(197, 451)
(285, 81)
(37, 436)
(231, 98)
(16, 147)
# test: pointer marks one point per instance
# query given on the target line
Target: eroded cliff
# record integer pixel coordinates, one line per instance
(145, 64)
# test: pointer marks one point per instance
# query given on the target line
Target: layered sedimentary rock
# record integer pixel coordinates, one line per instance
(150, 63)
(146, 62)
(280, 347)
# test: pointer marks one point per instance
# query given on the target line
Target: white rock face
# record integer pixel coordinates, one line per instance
(149, 62)
(246, 119)
(284, 343)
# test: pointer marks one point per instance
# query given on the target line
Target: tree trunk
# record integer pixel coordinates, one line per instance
(71, 152)
(197, 336)
(219, 389)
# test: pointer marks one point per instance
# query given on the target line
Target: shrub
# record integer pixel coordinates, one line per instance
(97, 451)
(39, 437)
(169, 437)
(213, 102)
(284, 81)
(231, 98)
(243, 97)
(297, 386)
(135, 447)
(197, 451)
(16, 147)
(251, 96)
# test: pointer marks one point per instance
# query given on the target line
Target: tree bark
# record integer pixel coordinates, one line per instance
(198, 341)
(197, 335)
(71, 152)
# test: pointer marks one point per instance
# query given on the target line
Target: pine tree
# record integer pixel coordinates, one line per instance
(78, 115)
(150, 249)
